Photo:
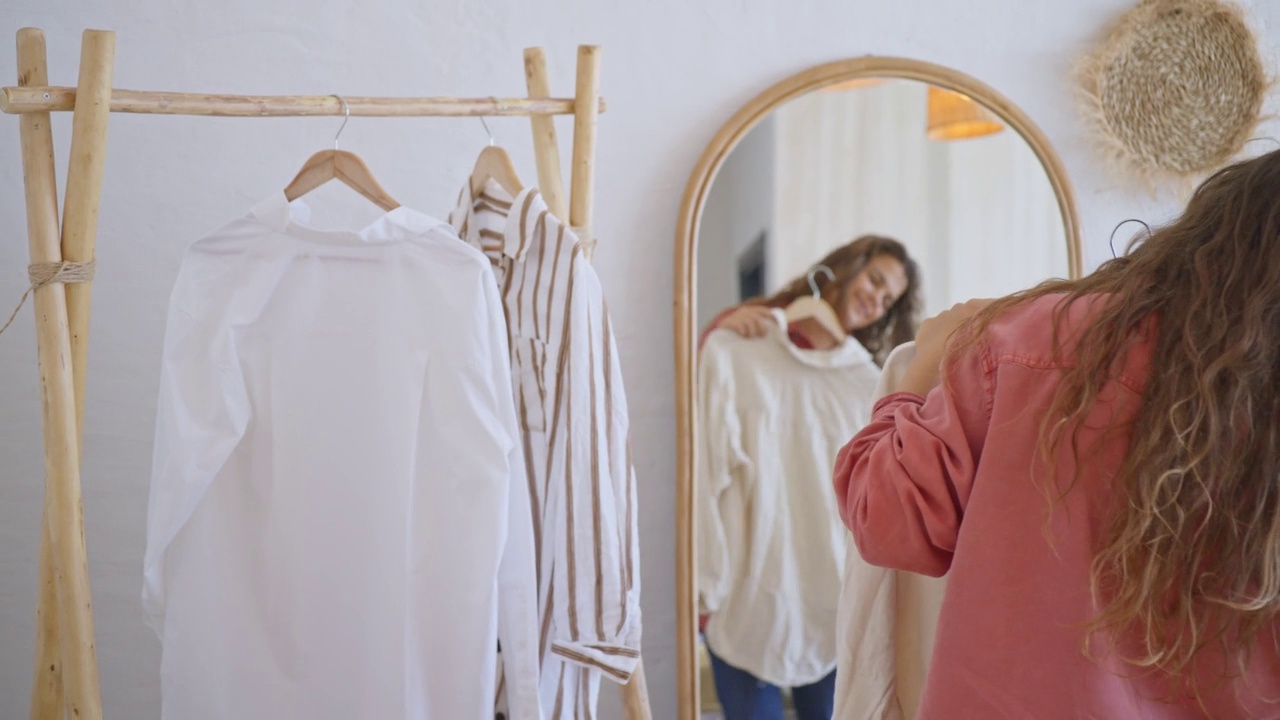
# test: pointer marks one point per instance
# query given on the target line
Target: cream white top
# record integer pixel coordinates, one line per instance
(887, 618)
(770, 543)
(338, 524)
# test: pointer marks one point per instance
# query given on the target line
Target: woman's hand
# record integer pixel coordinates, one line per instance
(925, 369)
(749, 321)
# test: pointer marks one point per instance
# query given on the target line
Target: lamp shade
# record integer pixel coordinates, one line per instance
(953, 116)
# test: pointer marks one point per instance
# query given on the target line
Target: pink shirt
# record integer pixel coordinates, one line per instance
(943, 485)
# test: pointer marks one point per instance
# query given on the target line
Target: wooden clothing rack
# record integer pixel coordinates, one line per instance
(65, 683)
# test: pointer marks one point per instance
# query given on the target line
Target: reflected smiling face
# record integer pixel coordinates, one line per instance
(865, 299)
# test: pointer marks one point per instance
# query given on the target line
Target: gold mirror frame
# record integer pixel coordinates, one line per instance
(686, 247)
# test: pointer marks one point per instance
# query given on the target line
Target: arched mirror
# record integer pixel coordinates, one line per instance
(844, 163)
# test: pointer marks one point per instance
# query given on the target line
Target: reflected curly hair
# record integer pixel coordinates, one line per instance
(897, 326)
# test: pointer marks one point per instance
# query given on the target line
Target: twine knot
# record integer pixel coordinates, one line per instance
(47, 273)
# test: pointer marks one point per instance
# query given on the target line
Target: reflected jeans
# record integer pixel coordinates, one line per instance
(744, 697)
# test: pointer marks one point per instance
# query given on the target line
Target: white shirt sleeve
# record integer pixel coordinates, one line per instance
(474, 447)
(517, 579)
(202, 413)
(719, 450)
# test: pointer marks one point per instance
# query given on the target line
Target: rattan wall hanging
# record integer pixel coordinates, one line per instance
(1174, 90)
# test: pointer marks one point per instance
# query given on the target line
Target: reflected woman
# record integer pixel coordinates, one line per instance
(875, 294)
(776, 401)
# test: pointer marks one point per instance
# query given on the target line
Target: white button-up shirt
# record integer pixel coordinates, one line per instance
(337, 525)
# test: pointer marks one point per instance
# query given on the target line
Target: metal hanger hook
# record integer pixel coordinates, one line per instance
(813, 286)
(346, 115)
(1112, 240)
(492, 142)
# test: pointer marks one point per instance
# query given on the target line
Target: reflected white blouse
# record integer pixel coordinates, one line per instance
(770, 543)
(338, 525)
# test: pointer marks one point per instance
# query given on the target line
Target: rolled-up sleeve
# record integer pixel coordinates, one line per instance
(903, 481)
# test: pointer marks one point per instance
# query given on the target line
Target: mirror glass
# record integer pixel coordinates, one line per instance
(860, 173)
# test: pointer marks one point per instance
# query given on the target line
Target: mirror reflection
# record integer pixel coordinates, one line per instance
(836, 223)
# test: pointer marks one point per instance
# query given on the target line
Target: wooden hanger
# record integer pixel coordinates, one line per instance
(341, 165)
(494, 163)
(813, 306)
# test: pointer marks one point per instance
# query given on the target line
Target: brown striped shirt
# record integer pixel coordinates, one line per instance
(573, 412)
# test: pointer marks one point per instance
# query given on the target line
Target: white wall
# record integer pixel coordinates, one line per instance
(673, 72)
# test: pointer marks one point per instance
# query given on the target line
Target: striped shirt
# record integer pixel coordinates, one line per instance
(572, 410)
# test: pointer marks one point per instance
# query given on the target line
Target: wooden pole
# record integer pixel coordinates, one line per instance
(84, 191)
(63, 514)
(585, 115)
(635, 696)
(39, 180)
(55, 99)
(546, 148)
(79, 229)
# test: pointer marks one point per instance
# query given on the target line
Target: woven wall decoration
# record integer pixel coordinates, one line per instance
(1174, 89)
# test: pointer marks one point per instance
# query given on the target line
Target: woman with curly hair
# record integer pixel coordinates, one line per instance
(1095, 466)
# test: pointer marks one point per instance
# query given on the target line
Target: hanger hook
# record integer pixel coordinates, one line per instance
(492, 142)
(346, 115)
(813, 286)
(1112, 240)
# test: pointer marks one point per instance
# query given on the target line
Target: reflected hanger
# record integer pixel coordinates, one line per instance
(340, 165)
(494, 163)
(813, 306)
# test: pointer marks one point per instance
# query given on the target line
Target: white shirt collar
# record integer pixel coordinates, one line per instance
(290, 218)
(495, 210)
(848, 352)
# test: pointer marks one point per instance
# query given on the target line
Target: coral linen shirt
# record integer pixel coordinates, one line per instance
(944, 485)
